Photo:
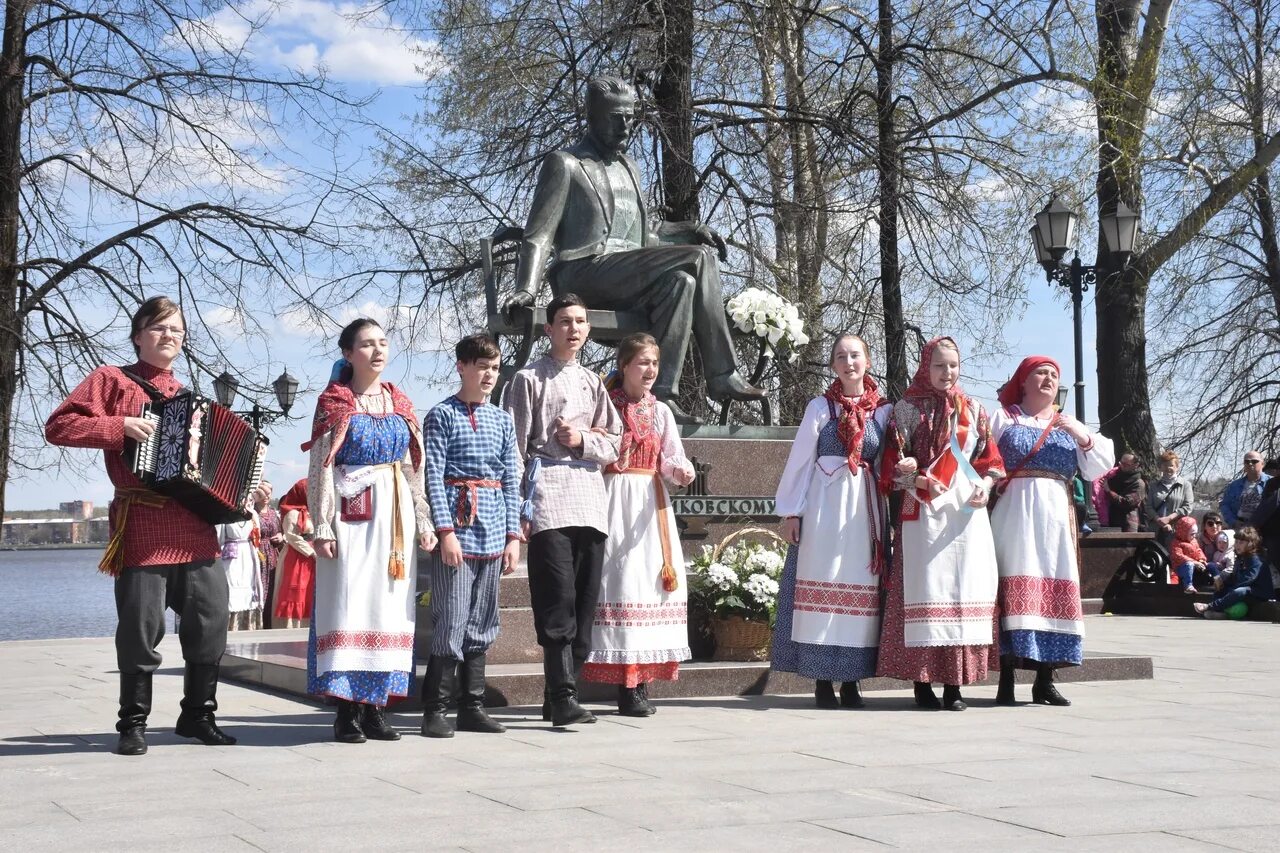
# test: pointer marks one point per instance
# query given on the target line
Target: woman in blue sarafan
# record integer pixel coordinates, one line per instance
(1035, 528)
(828, 624)
(366, 498)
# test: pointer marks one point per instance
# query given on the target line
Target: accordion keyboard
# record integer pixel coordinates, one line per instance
(143, 459)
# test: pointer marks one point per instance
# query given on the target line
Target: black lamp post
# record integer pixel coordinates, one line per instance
(226, 386)
(1053, 234)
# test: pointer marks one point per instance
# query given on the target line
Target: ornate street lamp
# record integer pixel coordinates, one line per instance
(1052, 236)
(226, 386)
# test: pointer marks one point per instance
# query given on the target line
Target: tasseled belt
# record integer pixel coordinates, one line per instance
(468, 504)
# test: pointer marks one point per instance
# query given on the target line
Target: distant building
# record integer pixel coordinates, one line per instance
(72, 523)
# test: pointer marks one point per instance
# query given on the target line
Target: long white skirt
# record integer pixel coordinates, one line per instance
(637, 621)
(244, 580)
(837, 595)
(363, 620)
(949, 573)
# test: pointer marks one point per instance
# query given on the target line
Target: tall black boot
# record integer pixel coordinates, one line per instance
(925, 697)
(951, 698)
(629, 702)
(642, 690)
(199, 701)
(437, 692)
(1043, 692)
(472, 716)
(346, 724)
(374, 724)
(1004, 693)
(850, 695)
(824, 694)
(558, 669)
(135, 705)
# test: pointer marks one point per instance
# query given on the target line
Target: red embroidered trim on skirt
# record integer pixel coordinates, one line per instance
(1050, 598)
(631, 614)
(369, 640)
(630, 674)
(843, 599)
(932, 612)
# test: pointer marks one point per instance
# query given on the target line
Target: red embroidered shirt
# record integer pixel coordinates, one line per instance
(93, 416)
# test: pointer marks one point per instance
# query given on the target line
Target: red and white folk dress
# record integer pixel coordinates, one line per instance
(641, 628)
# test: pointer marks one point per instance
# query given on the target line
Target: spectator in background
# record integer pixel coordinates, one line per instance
(1266, 518)
(1125, 492)
(1217, 543)
(1249, 582)
(1169, 498)
(268, 547)
(1243, 493)
(1185, 555)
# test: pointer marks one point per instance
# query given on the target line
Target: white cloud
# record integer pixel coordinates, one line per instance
(351, 42)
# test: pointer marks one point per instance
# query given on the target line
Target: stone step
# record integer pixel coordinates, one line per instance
(277, 660)
(1163, 599)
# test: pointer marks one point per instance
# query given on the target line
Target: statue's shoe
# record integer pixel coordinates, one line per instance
(682, 417)
(732, 386)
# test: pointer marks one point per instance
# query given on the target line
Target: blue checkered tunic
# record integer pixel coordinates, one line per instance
(473, 441)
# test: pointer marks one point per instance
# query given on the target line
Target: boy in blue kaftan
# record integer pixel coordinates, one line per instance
(473, 482)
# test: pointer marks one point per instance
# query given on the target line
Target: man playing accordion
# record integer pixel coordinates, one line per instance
(161, 554)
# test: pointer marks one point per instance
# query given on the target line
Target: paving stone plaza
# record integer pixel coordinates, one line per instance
(1187, 761)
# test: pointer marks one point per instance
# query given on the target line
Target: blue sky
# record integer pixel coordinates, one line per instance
(368, 58)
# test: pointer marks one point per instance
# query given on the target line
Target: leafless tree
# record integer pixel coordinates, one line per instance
(139, 153)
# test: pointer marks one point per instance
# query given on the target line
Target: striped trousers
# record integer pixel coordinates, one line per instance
(464, 606)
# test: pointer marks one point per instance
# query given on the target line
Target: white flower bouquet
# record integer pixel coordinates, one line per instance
(740, 580)
(767, 315)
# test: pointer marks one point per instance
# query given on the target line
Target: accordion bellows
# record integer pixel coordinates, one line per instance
(202, 455)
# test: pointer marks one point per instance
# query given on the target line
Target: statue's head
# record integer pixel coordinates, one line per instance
(611, 113)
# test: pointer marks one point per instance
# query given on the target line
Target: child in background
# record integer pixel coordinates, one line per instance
(1217, 544)
(1251, 581)
(1185, 554)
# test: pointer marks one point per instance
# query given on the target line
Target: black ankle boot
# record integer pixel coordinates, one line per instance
(850, 695)
(925, 697)
(437, 692)
(374, 724)
(951, 698)
(642, 690)
(346, 724)
(472, 716)
(135, 705)
(199, 702)
(558, 669)
(629, 702)
(1043, 692)
(1004, 693)
(824, 694)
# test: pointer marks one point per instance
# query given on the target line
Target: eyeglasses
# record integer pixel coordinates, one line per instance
(1253, 461)
(169, 330)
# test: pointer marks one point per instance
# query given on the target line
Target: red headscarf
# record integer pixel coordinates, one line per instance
(854, 412)
(337, 404)
(1011, 393)
(939, 405)
(295, 498)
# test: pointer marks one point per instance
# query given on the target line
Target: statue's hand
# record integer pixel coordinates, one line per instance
(519, 299)
(708, 236)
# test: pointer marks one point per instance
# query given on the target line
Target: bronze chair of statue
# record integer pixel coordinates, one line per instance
(523, 325)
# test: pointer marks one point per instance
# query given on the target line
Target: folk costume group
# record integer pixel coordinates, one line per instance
(578, 469)
(962, 590)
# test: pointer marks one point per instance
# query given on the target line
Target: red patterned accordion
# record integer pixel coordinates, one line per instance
(204, 456)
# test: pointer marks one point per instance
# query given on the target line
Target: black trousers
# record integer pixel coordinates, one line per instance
(564, 584)
(197, 592)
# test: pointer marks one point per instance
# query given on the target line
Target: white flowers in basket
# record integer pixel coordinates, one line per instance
(740, 581)
(767, 315)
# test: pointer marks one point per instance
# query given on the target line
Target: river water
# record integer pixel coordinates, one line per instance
(48, 594)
